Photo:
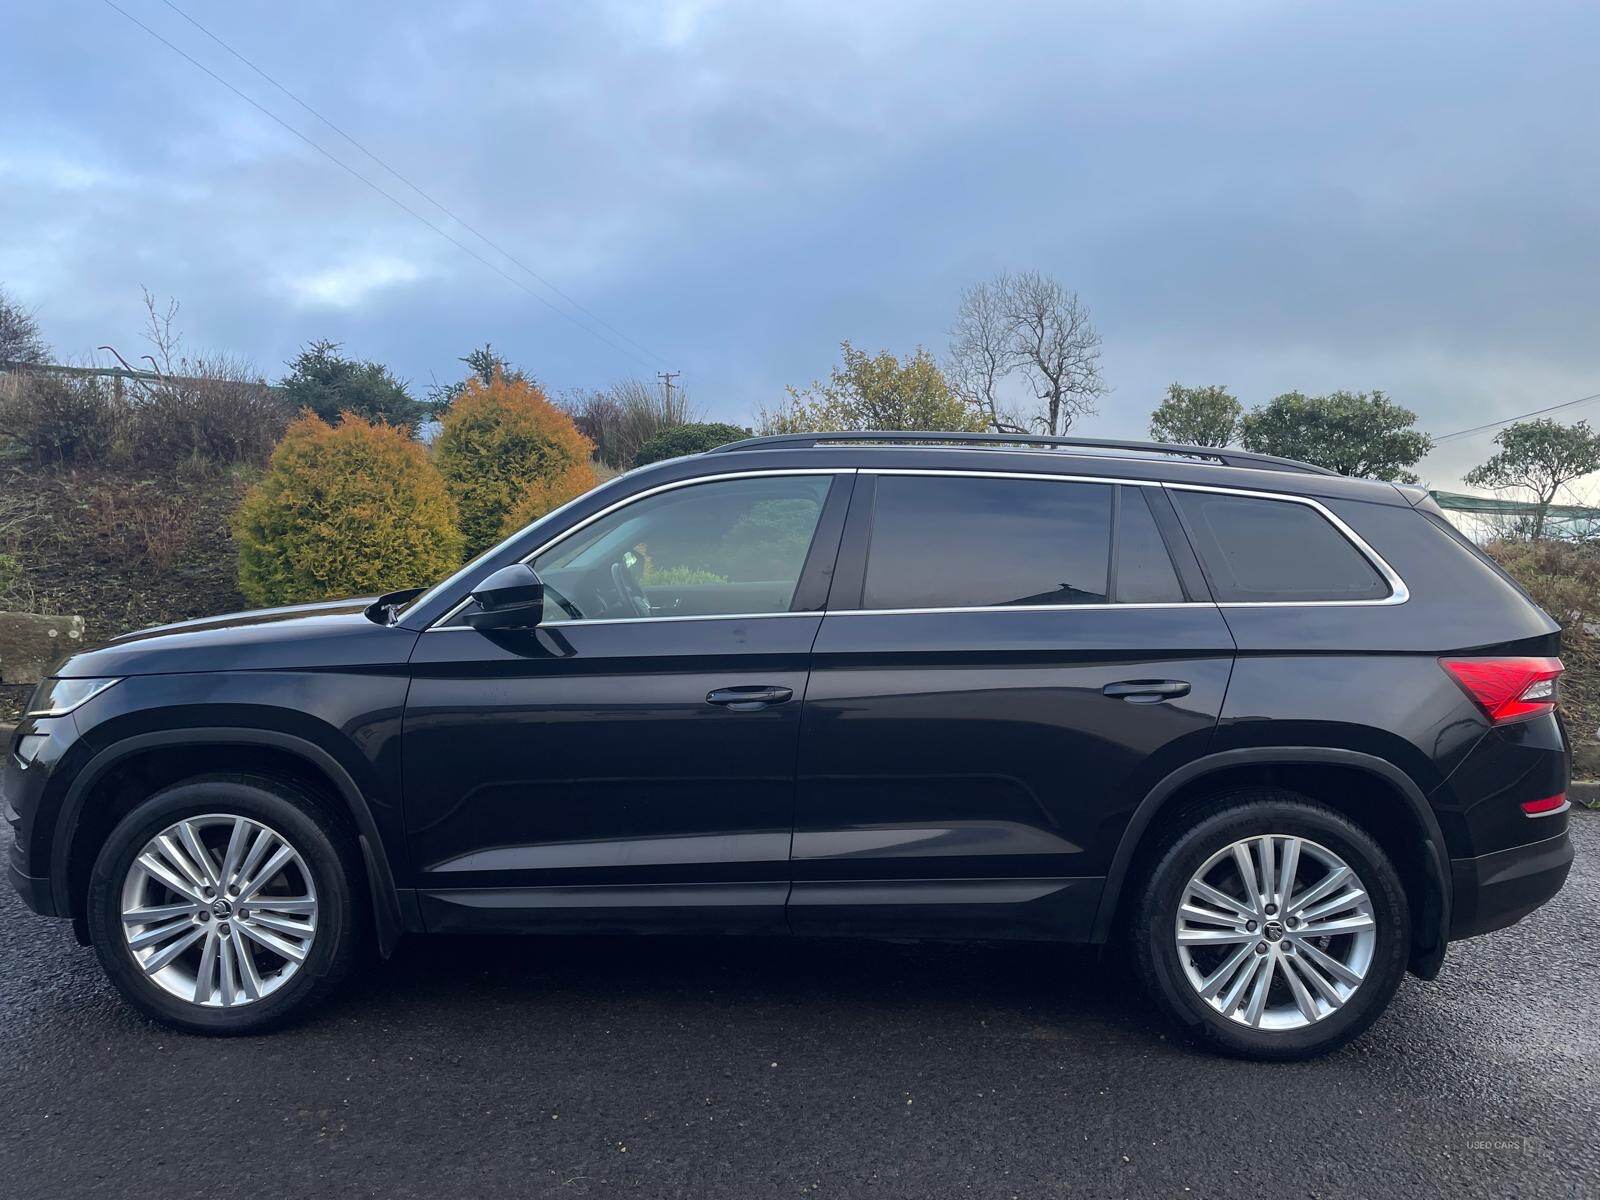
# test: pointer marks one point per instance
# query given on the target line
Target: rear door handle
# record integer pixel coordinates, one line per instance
(748, 699)
(1147, 691)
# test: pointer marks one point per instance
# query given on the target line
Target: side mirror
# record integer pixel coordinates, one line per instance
(511, 598)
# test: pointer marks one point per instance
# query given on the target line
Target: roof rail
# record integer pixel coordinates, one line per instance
(1226, 456)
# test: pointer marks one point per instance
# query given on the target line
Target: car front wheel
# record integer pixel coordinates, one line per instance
(1272, 927)
(223, 904)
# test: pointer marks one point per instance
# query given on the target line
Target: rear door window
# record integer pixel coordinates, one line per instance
(978, 542)
(1144, 572)
(1257, 550)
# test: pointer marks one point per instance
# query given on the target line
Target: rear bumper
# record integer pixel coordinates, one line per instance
(1499, 889)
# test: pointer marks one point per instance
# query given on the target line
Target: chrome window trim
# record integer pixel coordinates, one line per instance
(639, 620)
(439, 625)
(1399, 593)
(1011, 608)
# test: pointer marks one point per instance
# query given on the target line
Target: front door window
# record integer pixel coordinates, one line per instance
(732, 547)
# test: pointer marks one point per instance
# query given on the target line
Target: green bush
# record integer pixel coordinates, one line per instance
(1564, 579)
(688, 439)
(498, 441)
(621, 419)
(679, 576)
(344, 511)
(329, 384)
(773, 534)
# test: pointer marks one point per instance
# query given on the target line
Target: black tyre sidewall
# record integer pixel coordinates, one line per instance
(279, 806)
(1157, 951)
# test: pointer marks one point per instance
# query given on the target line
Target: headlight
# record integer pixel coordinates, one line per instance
(58, 697)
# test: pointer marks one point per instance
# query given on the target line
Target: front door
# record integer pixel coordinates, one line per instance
(1007, 665)
(628, 765)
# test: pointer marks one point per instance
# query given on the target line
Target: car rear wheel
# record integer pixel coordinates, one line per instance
(223, 904)
(1271, 926)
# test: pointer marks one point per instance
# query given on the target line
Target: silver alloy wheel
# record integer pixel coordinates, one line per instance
(219, 910)
(1275, 932)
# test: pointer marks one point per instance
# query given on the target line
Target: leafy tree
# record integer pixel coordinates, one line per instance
(328, 384)
(875, 392)
(1197, 416)
(344, 510)
(1541, 457)
(1363, 434)
(497, 441)
(688, 439)
(20, 339)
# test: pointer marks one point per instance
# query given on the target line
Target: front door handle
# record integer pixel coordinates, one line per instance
(748, 699)
(1147, 691)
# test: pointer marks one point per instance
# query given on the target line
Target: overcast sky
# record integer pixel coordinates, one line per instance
(1267, 196)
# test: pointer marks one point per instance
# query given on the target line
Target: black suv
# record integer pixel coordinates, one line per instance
(1281, 734)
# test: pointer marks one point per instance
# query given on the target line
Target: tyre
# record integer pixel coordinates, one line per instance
(1271, 927)
(223, 904)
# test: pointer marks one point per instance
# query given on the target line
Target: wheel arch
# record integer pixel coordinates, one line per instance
(1361, 786)
(134, 767)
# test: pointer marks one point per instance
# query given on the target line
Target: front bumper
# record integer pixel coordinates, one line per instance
(35, 892)
(28, 766)
(1499, 889)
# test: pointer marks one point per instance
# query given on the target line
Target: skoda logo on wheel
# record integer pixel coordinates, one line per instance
(220, 909)
(1273, 930)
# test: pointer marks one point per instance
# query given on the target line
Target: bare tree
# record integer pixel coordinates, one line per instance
(1026, 323)
(982, 353)
(1057, 348)
(20, 339)
(166, 341)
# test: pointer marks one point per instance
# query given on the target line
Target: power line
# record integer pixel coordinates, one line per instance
(396, 201)
(392, 171)
(1521, 417)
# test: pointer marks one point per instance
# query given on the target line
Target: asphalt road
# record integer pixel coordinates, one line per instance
(755, 1068)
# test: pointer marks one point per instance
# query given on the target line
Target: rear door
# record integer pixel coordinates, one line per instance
(1007, 665)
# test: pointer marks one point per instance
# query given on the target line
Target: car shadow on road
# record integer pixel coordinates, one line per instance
(1076, 986)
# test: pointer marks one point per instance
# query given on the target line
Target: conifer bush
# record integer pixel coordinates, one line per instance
(548, 494)
(499, 442)
(347, 510)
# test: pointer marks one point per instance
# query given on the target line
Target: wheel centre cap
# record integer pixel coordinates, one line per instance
(1273, 930)
(221, 909)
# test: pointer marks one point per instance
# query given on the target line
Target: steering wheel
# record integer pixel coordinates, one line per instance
(630, 590)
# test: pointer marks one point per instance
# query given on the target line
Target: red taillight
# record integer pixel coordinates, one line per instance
(1507, 688)
(1537, 808)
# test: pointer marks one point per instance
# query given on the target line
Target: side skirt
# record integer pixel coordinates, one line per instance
(1053, 909)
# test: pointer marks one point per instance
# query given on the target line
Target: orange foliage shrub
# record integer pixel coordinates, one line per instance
(546, 495)
(499, 441)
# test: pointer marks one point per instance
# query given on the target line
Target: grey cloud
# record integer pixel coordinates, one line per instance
(1274, 196)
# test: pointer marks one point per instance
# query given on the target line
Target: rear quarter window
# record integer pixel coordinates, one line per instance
(1257, 550)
